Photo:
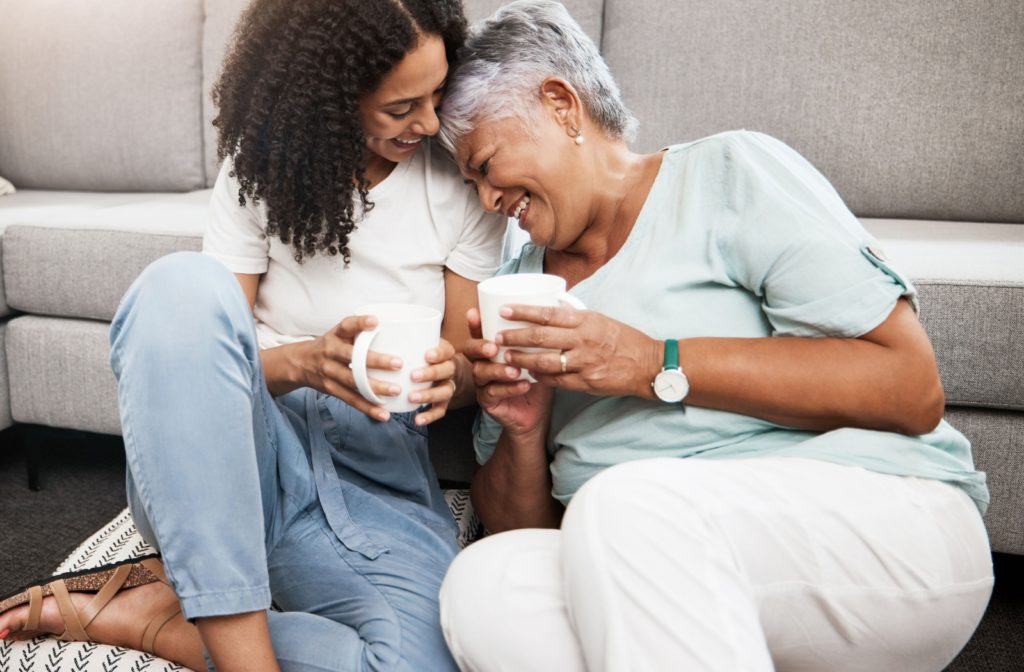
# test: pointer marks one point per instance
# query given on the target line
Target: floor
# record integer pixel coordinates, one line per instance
(82, 480)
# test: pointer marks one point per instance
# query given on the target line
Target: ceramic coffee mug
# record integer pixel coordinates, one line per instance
(534, 289)
(404, 330)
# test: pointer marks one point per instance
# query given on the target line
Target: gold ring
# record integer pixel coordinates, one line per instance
(564, 361)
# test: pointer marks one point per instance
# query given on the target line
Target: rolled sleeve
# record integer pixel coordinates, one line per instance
(792, 241)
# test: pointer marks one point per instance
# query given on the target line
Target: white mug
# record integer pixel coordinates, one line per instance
(404, 330)
(534, 289)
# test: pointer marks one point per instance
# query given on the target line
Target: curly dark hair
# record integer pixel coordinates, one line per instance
(288, 100)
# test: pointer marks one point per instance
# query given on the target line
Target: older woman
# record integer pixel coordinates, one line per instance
(744, 431)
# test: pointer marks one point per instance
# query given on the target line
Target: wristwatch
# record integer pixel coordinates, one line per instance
(671, 385)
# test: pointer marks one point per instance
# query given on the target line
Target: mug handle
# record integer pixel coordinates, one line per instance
(566, 297)
(360, 349)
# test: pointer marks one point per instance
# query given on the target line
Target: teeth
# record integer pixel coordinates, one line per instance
(408, 142)
(522, 206)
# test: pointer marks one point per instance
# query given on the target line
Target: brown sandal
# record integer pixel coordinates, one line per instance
(106, 582)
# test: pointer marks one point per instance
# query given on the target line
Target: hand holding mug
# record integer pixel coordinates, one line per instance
(581, 350)
(534, 289)
(513, 401)
(410, 334)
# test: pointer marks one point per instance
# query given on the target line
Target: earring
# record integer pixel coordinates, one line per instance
(578, 135)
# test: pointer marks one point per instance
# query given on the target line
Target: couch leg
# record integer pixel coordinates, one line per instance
(33, 452)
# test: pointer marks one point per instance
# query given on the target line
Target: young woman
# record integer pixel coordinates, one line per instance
(255, 466)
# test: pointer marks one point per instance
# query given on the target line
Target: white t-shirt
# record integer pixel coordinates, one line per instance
(423, 220)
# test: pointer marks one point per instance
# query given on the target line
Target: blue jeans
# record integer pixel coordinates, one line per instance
(301, 499)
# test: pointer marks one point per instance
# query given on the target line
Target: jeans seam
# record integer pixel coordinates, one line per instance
(335, 542)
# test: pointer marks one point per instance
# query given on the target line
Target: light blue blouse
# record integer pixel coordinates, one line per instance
(739, 237)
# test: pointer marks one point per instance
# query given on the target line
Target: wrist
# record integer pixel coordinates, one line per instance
(650, 364)
(295, 358)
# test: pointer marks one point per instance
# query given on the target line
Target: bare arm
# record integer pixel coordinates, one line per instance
(459, 296)
(886, 380)
(281, 365)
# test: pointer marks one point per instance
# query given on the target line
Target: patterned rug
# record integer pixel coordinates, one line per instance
(119, 540)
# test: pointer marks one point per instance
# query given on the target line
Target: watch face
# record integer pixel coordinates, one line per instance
(671, 385)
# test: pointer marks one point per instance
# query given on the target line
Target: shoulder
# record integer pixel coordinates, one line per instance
(440, 167)
(740, 146)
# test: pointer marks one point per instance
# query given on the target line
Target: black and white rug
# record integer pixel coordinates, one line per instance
(119, 540)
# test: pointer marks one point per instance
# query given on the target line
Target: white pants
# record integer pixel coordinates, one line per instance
(689, 564)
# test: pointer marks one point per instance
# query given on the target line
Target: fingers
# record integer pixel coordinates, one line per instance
(475, 324)
(439, 396)
(493, 394)
(356, 400)
(547, 362)
(553, 316)
(444, 369)
(350, 327)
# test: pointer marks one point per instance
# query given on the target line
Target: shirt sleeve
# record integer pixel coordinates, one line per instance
(477, 253)
(235, 234)
(787, 236)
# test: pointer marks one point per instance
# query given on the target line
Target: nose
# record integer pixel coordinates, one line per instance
(426, 122)
(490, 198)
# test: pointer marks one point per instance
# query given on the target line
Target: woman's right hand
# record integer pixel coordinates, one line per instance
(522, 408)
(324, 364)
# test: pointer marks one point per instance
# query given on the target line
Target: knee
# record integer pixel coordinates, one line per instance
(634, 504)
(181, 295)
(466, 595)
(490, 591)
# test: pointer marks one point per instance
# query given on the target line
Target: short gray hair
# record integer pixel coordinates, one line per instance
(508, 56)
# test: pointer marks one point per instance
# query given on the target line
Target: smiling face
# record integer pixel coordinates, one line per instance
(401, 111)
(536, 176)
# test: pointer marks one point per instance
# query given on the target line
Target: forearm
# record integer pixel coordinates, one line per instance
(281, 368)
(513, 489)
(813, 383)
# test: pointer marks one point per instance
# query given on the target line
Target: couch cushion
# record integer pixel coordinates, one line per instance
(76, 254)
(971, 282)
(59, 371)
(102, 94)
(997, 441)
(912, 109)
(221, 17)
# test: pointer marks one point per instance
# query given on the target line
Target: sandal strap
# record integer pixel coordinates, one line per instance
(163, 617)
(104, 595)
(73, 626)
(156, 568)
(35, 607)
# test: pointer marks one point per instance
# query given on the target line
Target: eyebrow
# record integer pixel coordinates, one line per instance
(409, 101)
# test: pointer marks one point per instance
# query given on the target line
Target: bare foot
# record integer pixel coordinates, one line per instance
(121, 623)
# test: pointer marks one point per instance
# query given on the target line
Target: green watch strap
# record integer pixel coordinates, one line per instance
(671, 355)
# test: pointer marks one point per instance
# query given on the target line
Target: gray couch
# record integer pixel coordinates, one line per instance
(915, 112)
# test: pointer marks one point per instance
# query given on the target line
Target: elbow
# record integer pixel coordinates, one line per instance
(925, 411)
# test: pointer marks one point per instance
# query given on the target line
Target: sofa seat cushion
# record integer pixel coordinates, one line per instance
(119, 540)
(970, 277)
(75, 254)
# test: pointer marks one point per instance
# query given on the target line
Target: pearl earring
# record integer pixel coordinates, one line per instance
(578, 135)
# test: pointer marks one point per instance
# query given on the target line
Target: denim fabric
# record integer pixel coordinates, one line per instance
(302, 499)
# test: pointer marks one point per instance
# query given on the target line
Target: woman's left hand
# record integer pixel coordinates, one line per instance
(589, 352)
(441, 370)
